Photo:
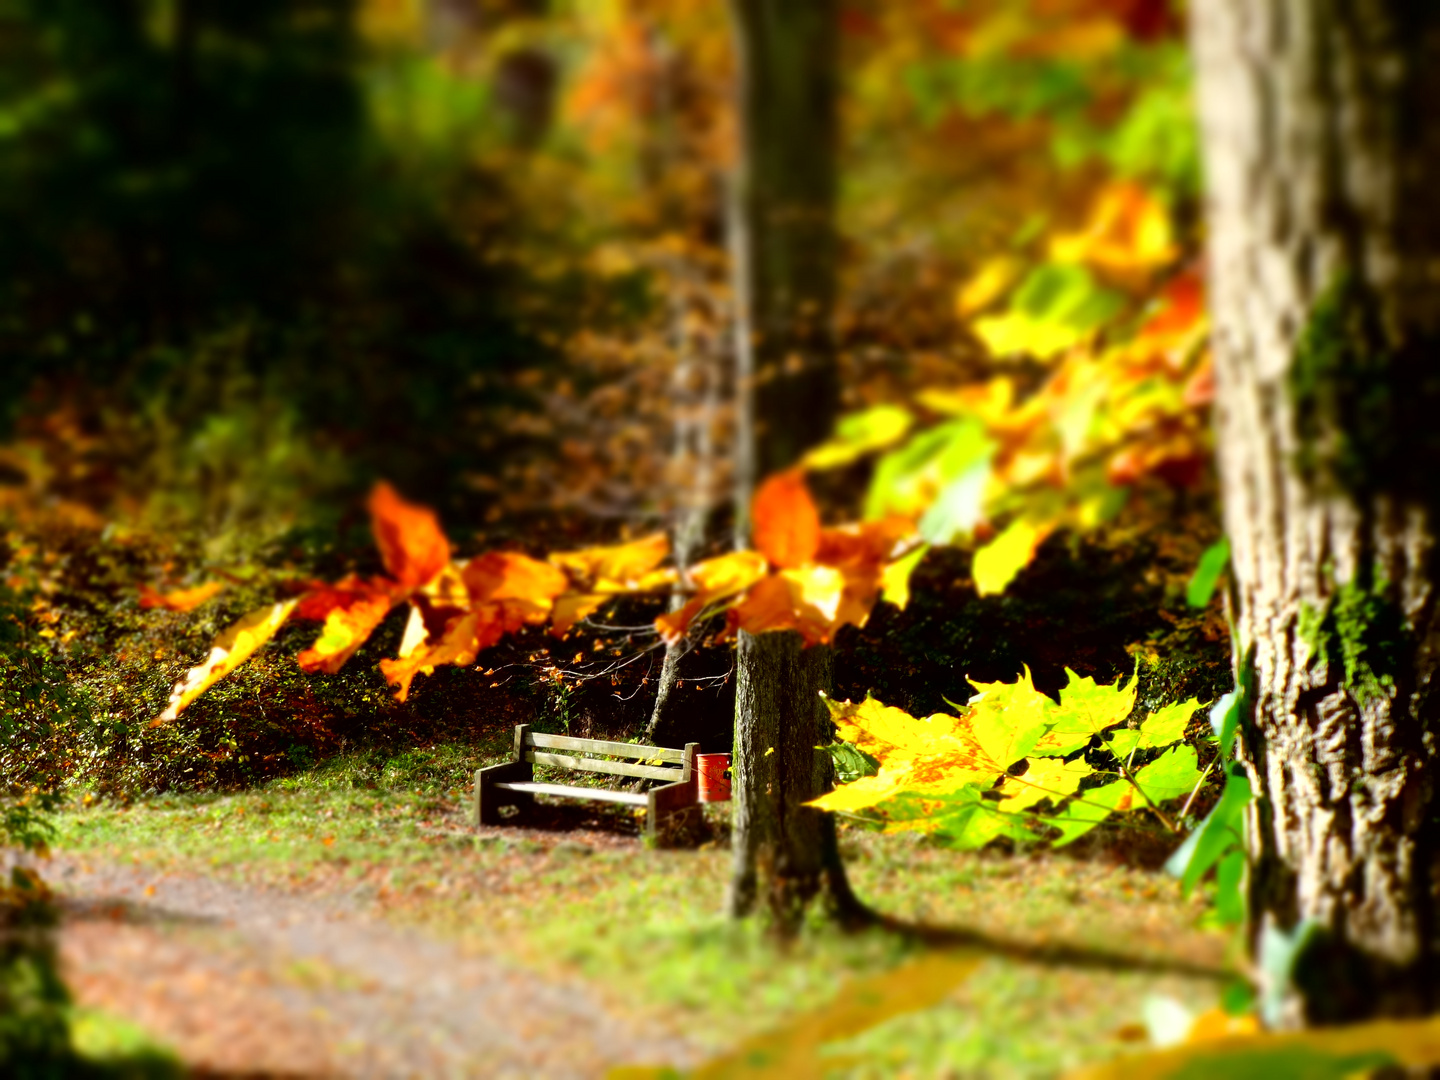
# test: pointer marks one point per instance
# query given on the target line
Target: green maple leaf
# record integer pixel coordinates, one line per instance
(1169, 776)
(1160, 728)
(1091, 809)
(1085, 710)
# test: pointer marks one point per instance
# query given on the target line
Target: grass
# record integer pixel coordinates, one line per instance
(390, 831)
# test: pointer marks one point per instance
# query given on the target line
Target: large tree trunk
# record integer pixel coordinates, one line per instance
(1323, 160)
(784, 250)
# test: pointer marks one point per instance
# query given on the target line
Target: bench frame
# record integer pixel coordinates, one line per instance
(512, 783)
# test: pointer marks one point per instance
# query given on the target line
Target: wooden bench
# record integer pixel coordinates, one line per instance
(512, 783)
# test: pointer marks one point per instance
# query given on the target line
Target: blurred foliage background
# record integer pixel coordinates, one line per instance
(260, 253)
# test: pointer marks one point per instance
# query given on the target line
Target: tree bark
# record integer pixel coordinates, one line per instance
(1323, 158)
(785, 852)
(783, 249)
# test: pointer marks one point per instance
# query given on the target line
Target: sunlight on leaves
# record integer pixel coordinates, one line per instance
(230, 649)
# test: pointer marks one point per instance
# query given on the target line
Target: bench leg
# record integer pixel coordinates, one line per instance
(669, 802)
(488, 799)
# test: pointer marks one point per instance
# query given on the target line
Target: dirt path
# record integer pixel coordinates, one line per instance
(240, 980)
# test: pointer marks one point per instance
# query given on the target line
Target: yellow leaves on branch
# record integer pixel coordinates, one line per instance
(986, 770)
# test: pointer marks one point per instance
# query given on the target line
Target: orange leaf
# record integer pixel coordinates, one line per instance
(181, 599)
(508, 575)
(617, 565)
(1128, 230)
(352, 610)
(786, 521)
(810, 601)
(868, 544)
(411, 544)
(714, 579)
(572, 608)
(465, 637)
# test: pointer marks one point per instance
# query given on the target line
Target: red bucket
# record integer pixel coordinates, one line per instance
(714, 773)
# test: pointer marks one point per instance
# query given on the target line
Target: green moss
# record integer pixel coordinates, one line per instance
(1308, 629)
(1360, 629)
(1342, 385)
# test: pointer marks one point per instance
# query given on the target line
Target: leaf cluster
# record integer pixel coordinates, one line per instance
(1014, 763)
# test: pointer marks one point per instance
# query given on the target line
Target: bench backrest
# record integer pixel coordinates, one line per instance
(535, 747)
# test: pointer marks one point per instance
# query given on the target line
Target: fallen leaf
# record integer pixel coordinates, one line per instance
(181, 599)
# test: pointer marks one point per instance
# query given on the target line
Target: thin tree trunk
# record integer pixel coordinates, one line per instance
(696, 394)
(1323, 160)
(783, 250)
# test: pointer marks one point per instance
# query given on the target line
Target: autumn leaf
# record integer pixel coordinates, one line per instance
(230, 649)
(460, 643)
(987, 285)
(351, 611)
(998, 562)
(411, 544)
(785, 520)
(859, 434)
(1159, 728)
(508, 575)
(1128, 230)
(714, 580)
(863, 547)
(895, 578)
(181, 599)
(1086, 709)
(936, 755)
(1047, 778)
(618, 566)
(807, 600)
(573, 607)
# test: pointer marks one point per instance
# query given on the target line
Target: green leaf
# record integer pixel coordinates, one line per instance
(959, 507)
(851, 763)
(1057, 306)
(1159, 728)
(908, 479)
(1171, 775)
(1225, 720)
(1086, 709)
(1207, 573)
(1220, 832)
(859, 434)
(1229, 889)
(1092, 808)
(1004, 740)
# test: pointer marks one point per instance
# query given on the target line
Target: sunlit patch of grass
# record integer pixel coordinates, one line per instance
(391, 832)
(114, 1049)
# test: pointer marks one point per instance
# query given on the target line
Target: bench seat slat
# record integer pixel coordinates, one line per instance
(614, 768)
(629, 798)
(600, 746)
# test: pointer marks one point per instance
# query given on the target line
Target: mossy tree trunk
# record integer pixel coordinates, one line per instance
(784, 249)
(1322, 150)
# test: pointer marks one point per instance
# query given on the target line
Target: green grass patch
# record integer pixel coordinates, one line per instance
(645, 928)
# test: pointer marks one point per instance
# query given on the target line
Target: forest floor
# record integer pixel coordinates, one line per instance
(311, 927)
